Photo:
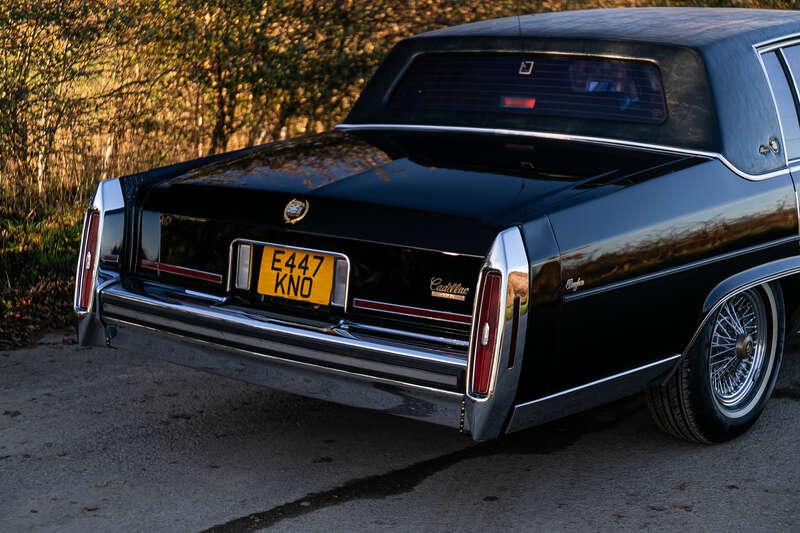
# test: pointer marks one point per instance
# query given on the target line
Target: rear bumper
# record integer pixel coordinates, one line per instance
(399, 372)
(334, 363)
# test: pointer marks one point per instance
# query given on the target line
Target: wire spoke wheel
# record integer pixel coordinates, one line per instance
(729, 370)
(738, 352)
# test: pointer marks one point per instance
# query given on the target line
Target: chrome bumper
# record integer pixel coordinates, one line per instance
(337, 363)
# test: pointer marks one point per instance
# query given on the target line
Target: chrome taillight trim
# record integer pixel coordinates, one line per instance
(108, 198)
(487, 414)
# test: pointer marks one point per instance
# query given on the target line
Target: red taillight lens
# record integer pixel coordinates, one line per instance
(486, 331)
(89, 259)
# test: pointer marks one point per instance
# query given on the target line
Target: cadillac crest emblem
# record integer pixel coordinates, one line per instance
(295, 211)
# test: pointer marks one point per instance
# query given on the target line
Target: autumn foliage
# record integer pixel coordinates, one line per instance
(97, 88)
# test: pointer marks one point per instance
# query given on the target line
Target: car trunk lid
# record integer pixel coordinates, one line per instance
(414, 214)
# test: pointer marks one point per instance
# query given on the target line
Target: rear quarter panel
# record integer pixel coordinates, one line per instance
(649, 252)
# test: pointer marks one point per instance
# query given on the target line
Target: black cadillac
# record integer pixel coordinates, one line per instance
(520, 219)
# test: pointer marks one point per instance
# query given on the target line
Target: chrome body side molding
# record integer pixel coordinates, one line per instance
(780, 42)
(565, 137)
(590, 395)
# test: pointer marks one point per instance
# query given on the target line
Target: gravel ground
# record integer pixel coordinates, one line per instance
(93, 440)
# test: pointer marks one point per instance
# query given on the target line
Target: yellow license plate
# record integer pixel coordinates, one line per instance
(296, 274)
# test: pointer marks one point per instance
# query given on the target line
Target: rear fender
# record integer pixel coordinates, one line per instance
(783, 270)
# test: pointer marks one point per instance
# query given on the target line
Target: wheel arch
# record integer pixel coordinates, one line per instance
(785, 272)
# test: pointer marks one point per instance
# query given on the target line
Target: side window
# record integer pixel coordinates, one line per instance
(784, 98)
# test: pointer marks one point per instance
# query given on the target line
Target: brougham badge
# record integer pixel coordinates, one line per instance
(573, 285)
(295, 211)
(448, 291)
(526, 68)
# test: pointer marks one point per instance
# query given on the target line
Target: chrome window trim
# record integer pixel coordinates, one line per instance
(760, 56)
(795, 169)
(567, 137)
(794, 86)
(337, 255)
(778, 42)
(797, 205)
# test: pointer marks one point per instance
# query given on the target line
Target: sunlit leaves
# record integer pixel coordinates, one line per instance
(96, 88)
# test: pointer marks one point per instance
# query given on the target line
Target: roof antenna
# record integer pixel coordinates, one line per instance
(519, 17)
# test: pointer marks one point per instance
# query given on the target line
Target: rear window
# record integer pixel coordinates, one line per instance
(544, 85)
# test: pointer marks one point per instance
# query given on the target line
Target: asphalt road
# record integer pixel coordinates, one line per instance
(93, 440)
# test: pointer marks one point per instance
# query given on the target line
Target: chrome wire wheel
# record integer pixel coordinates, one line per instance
(739, 358)
(729, 370)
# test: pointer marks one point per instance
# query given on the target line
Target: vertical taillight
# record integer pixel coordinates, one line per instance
(486, 333)
(88, 261)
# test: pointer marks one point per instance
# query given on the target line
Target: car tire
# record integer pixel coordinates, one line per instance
(726, 378)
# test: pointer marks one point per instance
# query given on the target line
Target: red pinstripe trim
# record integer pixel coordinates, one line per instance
(181, 271)
(412, 311)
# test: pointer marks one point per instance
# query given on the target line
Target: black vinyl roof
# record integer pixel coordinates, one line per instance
(692, 27)
(717, 96)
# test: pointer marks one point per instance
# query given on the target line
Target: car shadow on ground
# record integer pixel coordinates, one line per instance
(126, 435)
(542, 440)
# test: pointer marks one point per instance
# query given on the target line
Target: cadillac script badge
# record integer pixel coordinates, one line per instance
(448, 291)
(295, 211)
